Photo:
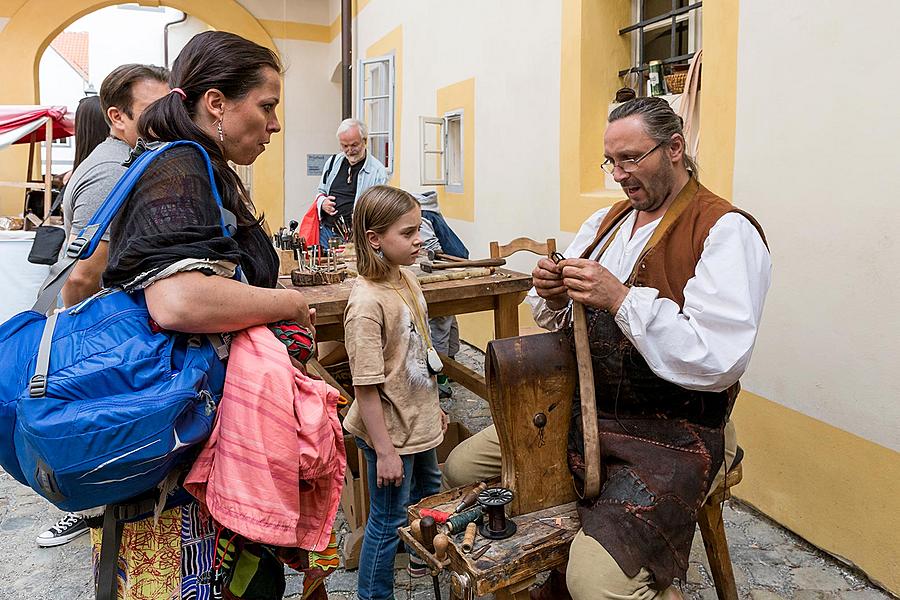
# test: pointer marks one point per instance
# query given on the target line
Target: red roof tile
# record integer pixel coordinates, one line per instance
(73, 47)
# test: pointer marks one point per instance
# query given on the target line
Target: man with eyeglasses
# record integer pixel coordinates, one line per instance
(673, 280)
(346, 176)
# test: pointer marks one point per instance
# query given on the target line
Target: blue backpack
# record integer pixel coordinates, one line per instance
(95, 406)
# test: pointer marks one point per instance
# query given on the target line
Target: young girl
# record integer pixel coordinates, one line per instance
(396, 418)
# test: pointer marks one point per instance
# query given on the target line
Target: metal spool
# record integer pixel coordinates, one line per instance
(497, 526)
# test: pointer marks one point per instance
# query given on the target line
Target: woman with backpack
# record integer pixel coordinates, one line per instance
(168, 239)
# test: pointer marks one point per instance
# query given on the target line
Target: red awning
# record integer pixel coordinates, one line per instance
(25, 124)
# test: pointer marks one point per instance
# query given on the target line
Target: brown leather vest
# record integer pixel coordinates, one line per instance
(671, 255)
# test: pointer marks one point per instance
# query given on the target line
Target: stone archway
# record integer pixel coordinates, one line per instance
(37, 22)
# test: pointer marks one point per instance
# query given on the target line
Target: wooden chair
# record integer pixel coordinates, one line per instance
(523, 243)
(531, 381)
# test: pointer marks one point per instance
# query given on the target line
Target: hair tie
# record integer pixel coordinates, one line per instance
(180, 92)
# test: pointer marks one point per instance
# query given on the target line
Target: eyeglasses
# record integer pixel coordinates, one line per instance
(630, 165)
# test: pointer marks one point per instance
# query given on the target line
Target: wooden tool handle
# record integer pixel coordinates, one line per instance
(469, 538)
(415, 528)
(440, 544)
(470, 497)
(588, 404)
(429, 530)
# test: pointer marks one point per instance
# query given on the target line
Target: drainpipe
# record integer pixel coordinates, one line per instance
(166, 38)
(346, 58)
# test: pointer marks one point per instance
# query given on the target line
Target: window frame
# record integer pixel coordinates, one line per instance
(390, 96)
(446, 150)
(692, 13)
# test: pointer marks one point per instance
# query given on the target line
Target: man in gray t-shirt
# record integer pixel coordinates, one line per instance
(124, 94)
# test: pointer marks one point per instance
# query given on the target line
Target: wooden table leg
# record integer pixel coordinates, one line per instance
(517, 591)
(506, 315)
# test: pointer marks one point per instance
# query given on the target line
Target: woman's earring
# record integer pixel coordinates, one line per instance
(379, 253)
(219, 130)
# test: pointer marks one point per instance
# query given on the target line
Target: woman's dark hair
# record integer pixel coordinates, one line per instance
(210, 60)
(91, 128)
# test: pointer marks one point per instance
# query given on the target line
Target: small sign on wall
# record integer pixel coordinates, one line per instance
(315, 164)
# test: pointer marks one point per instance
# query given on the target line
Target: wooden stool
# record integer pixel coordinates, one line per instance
(712, 530)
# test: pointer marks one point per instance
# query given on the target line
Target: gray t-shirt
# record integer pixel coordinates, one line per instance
(92, 182)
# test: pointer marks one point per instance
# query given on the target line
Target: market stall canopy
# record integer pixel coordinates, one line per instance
(22, 124)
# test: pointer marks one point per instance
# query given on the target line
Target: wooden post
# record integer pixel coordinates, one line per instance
(48, 176)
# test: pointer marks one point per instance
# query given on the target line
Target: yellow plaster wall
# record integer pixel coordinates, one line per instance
(591, 56)
(460, 96)
(31, 29)
(837, 490)
(392, 43)
(719, 96)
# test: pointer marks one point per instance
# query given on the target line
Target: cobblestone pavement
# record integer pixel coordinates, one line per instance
(770, 563)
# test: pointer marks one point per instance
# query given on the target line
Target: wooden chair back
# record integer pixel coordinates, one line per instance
(523, 243)
(532, 380)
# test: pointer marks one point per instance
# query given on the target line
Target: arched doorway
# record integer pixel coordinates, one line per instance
(37, 22)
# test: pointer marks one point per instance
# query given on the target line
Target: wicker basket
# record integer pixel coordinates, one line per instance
(675, 82)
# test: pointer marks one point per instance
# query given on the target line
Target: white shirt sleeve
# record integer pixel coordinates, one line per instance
(706, 345)
(553, 320)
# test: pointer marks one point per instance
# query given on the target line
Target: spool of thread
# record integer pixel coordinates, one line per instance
(429, 530)
(416, 529)
(457, 523)
(469, 538)
(440, 544)
(470, 498)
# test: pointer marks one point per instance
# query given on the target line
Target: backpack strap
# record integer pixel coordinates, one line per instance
(84, 245)
(88, 239)
(329, 167)
(114, 518)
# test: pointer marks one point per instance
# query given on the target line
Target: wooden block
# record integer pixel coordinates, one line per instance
(286, 262)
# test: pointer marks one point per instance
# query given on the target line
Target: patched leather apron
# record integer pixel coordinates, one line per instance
(661, 447)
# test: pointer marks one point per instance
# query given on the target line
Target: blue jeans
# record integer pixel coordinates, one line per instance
(387, 512)
(325, 234)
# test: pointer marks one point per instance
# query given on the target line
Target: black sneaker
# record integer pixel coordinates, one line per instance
(69, 527)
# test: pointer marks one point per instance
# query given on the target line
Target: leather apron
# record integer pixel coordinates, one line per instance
(661, 447)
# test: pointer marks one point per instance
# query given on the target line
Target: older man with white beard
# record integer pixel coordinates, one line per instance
(346, 176)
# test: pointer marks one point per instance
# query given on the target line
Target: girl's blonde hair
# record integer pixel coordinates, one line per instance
(376, 210)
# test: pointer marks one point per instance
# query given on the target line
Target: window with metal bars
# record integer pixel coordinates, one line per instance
(665, 30)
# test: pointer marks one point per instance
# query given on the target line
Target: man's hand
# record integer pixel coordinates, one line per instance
(547, 280)
(390, 469)
(592, 285)
(328, 205)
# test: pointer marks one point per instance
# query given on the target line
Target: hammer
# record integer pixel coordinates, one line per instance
(433, 255)
(428, 267)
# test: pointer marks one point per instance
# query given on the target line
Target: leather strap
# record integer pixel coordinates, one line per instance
(588, 404)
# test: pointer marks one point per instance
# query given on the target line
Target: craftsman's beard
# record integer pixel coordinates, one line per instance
(650, 193)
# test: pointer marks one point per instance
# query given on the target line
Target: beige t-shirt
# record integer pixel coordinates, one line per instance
(387, 349)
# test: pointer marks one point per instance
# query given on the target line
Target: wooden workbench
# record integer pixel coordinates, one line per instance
(501, 293)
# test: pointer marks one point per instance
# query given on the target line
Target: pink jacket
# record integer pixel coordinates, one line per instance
(273, 468)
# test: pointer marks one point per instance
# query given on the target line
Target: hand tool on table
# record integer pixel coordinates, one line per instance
(432, 255)
(470, 497)
(469, 537)
(588, 399)
(428, 266)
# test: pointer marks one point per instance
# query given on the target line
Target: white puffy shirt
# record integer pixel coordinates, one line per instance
(706, 345)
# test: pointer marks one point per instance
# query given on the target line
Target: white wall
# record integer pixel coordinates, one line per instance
(816, 162)
(61, 85)
(514, 56)
(312, 107)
